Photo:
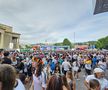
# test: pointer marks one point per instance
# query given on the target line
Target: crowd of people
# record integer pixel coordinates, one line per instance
(53, 70)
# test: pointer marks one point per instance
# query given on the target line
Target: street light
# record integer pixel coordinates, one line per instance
(74, 39)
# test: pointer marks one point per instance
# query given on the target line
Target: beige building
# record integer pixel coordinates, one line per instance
(8, 38)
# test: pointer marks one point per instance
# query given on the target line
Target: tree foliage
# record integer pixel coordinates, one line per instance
(28, 46)
(102, 43)
(67, 42)
(58, 44)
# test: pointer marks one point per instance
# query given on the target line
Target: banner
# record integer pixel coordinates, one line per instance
(101, 6)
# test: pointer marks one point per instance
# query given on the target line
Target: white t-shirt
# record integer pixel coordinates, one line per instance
(89, 77)
(14, 63)
(75, 56)
(20, 85)
(102, 65)
(75, 66)
(98, 57)
(66, 65)
(79, 58)
(103, 82)
(88, 66)
(39, 82)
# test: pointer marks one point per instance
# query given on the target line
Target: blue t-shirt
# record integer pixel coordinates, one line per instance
(94, 60)
(52, 65)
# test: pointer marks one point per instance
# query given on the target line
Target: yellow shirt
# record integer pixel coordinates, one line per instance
(87, 61)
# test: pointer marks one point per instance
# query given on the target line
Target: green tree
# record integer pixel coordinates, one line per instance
(67, 42)
(102, 43)
(99, 45)
(106, 46)
(58, 44)
(106, 43)
(28, 46)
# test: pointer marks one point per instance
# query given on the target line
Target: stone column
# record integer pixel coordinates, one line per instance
(17, 43)
(2, 40)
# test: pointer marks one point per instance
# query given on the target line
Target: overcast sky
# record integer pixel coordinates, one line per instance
(53, 20)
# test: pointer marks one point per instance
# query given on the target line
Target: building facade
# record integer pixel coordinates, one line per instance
(8, 38)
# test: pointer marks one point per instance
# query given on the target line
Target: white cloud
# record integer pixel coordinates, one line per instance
(52, 20)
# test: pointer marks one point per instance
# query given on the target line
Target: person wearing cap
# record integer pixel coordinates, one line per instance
(98, 75)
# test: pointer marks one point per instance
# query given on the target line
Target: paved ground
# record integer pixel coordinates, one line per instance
(80, 83)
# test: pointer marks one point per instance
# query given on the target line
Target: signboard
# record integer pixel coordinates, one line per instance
(101, 6)
(25, 50)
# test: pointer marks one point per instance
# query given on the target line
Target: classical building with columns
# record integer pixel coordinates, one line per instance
(8, 38)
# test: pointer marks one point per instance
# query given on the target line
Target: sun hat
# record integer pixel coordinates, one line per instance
(98, 70)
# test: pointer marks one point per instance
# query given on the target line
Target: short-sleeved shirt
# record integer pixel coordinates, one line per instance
(20, 85)
(103, 83)
(66, 65)
(39, 82)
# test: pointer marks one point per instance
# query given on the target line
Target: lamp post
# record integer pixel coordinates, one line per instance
(74, 39)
